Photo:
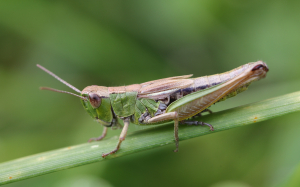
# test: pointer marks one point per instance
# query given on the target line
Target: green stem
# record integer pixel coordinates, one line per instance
(157, 136)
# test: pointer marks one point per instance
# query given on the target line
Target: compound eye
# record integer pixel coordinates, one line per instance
(95, 100)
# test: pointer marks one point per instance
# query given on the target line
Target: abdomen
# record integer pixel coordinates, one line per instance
(204, 82)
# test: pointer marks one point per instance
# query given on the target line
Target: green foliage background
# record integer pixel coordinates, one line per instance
(114, 43)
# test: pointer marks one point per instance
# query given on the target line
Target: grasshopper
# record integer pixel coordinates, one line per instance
(155, 102)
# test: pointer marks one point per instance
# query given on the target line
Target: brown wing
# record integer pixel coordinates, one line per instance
(169, 78)
(164, 85)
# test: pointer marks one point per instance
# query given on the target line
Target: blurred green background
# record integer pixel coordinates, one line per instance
(114, 43)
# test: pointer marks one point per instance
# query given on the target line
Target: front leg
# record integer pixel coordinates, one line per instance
(104, 132)
(121, 138)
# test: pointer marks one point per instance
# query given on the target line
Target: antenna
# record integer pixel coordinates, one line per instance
(61, 91)
(58, 78)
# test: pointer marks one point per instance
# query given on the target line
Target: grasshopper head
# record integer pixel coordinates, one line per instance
(95, 99)
(98, 104)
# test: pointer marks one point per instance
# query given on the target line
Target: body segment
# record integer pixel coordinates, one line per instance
(154, 102)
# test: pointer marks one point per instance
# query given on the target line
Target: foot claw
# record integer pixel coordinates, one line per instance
(96, 139)
(110, 153)
(211, 128)
(105, 155)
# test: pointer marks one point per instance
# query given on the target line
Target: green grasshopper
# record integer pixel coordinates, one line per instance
(155, 102)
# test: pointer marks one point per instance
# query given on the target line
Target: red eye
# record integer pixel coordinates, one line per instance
(95, 100)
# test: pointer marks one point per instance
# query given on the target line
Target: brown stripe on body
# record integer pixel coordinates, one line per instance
(118, 89)
(133, 88)
(123, 89)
